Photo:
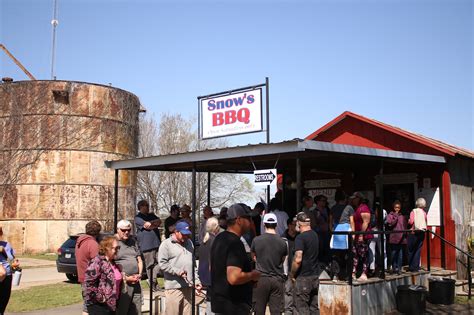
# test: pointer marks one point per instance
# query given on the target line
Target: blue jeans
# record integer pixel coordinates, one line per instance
(415, 242)
(397, 257)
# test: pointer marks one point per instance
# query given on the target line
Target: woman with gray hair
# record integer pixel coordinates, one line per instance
(415, 239)
(212, 229)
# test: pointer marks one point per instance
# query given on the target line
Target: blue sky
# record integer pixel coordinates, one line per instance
(406, 63)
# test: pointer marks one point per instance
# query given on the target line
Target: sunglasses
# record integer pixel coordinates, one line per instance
(125, 230)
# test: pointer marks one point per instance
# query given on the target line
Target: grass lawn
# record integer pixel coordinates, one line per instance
(51, 296)
(463, 300)
(145, 286)
(44, 297)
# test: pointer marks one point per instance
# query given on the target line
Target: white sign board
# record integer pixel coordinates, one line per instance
(265, 177)
(431, 196)
(329, 193)
(231, 114)
(322, 183)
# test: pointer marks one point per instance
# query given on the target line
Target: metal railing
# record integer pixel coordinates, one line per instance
(468, 256)
(428, 251)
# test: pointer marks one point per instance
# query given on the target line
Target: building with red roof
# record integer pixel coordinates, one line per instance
(448, 188)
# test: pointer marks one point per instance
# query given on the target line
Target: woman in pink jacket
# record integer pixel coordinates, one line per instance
(397, 222)
(103, 279)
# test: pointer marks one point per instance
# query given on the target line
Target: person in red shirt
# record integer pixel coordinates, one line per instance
(361, 224)
(86, 249)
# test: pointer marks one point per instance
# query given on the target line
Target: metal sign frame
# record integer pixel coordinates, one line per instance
(200, 127)
(235, 91)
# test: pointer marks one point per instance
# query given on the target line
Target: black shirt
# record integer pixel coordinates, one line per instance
(228, 250)
(257, 221)
(169, 222)
(204, 261)
(308, 242)
(270, 250)
(291, 247)
(336, 212)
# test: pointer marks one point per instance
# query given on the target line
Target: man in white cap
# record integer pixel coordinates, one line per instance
(269, 251)
(128, 257)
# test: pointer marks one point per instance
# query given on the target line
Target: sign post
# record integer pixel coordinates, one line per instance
(267, 102)
(234, 112)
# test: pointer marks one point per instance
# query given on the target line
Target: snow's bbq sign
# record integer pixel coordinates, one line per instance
(231, 114)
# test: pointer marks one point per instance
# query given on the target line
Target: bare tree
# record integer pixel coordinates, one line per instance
(176, 134)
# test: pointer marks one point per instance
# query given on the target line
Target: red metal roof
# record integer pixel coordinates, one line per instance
(429, 142)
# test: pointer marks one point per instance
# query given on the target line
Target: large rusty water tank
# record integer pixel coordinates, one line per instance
(55, 138)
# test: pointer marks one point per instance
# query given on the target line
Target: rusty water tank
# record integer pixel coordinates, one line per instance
(68, 129)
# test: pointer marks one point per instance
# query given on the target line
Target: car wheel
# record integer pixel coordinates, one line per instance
(72, 277)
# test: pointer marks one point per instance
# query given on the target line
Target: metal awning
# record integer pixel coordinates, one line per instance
(289, 156)
(244, 159)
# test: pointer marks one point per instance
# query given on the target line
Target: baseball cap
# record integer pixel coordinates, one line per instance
(183, 228)
(303, 217)
(239, 210)
(270, 218)
(357, 194)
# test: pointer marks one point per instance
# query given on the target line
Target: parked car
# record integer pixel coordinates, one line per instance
(66, 261)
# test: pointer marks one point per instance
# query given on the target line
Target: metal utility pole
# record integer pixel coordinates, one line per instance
(54, 23)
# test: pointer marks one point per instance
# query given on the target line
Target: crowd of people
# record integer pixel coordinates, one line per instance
(249, 258)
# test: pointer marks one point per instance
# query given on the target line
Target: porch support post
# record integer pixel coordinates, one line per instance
(116, 200)
(209, 189)
(298, 185)
(380, 223)
(194, 207)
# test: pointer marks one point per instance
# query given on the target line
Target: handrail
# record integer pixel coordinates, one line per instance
(469, 257)
(451, 244)
(370, 232)
(381, 232)
(384, 232)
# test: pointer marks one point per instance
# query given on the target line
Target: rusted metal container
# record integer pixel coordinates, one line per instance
(55, 138)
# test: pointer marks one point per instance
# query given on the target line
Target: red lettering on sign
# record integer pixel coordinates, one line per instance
(217, 119)
(230, 117)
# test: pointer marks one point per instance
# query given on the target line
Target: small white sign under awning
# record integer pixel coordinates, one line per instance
(322, 183)
(432, 198)
(265, 177)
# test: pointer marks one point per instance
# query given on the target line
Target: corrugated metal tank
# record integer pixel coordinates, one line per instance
(75, 127)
